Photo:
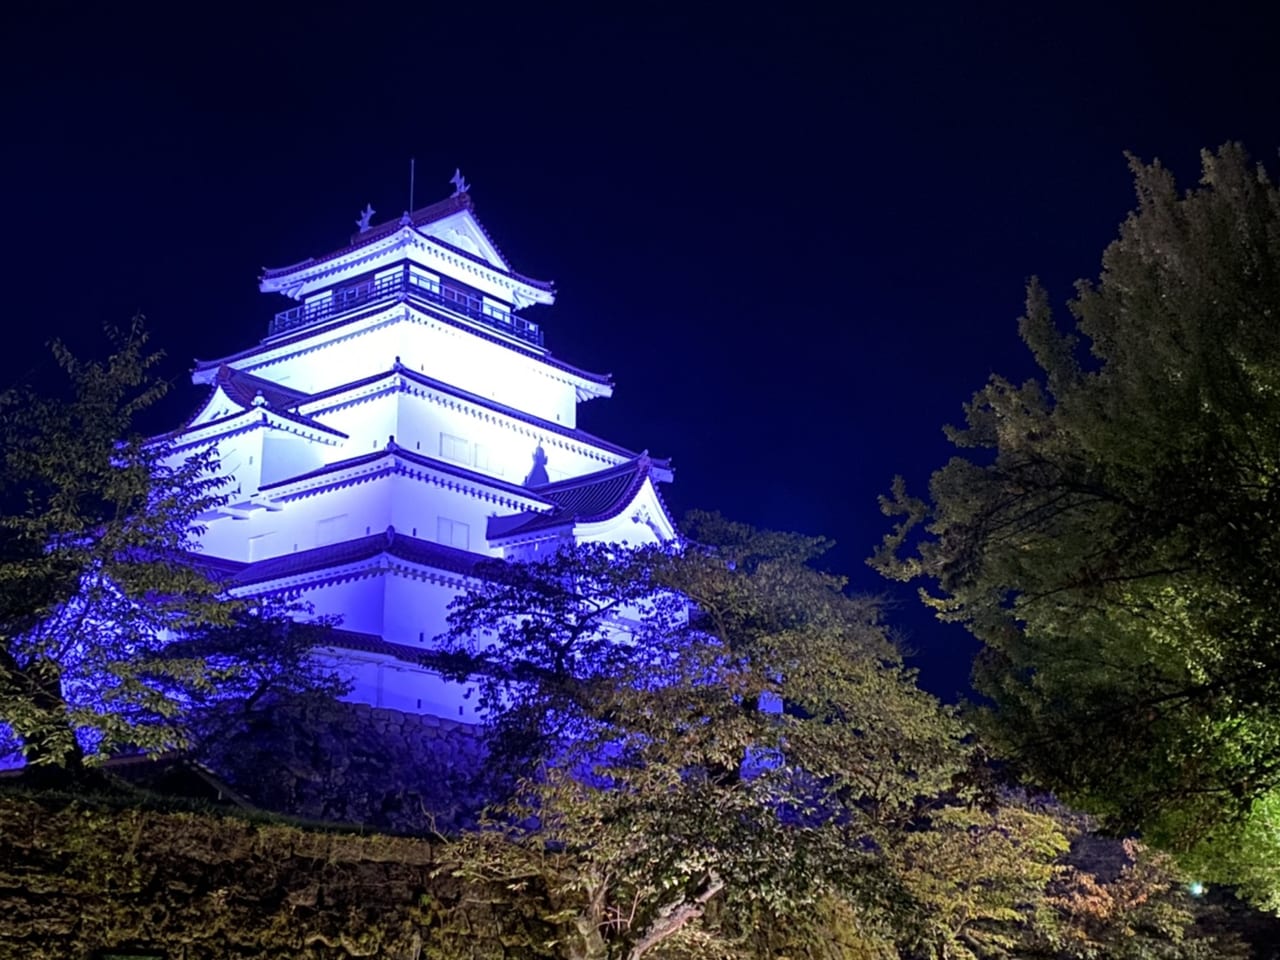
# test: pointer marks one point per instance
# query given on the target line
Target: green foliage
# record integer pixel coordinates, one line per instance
(748, 770)
(76, 879)
(1027, 879)
(759, 779)
(1113, 537)
(97, 579)
(725, 725)
(94, 519)
(266, 674)
(980, 876)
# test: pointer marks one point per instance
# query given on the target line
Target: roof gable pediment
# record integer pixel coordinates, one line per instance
(450, 228)
(463, 232)
(588, 504)
(216, 407)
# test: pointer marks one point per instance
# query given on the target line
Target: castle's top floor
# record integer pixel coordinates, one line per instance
(428, 293)
(440, 255)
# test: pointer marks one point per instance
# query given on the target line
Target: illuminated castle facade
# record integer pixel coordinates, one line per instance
(402, 421)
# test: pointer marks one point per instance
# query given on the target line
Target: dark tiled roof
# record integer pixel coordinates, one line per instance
(304, 421)
(393, 449)
(411, 549)
(218, 569)
(372, 643)
(244, 388)
(587, 499)
(421, 217)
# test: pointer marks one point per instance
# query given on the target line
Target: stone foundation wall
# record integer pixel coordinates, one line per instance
(353, 763)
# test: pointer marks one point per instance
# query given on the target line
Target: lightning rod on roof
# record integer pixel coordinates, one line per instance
(412, 162)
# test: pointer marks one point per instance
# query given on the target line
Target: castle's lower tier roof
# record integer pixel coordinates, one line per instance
(592, 498)
(245, 389)
(233, 573)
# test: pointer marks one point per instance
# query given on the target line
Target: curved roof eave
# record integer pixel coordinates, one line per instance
(201, 372)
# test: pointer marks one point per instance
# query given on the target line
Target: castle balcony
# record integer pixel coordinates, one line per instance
(404, 286)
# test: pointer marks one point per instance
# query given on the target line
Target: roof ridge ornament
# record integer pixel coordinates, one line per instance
(365, 216)
(538, 475)
(460, 185)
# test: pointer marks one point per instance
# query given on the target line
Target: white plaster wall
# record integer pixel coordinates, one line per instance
(488, 369)
(495, 446)
(384, 682)
(414, 510)
(239, 459)
(358, 604)
(288, 455)
(333, 516)
(436, 349)
(411, 504)
(415, 610)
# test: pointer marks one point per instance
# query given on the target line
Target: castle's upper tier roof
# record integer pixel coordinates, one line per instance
(421, 220)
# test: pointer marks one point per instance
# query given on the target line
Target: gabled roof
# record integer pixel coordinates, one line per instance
(420, 222)
(423, 552)
(421, 217)
(427, 219)
(592, 498)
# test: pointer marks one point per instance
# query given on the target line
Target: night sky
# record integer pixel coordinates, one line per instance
(797, 240)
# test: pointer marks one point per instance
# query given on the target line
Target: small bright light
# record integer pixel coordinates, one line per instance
(1195, 888)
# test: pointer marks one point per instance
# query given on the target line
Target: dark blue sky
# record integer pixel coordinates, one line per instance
(798, 240)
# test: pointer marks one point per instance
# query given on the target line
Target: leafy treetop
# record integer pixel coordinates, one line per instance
(1111, 531)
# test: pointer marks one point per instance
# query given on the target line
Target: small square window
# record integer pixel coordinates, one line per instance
(455, 448)
(453, 533)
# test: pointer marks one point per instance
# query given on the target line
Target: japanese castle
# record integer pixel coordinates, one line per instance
(400, 422)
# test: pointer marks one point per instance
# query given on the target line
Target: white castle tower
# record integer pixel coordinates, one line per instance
(400, 423)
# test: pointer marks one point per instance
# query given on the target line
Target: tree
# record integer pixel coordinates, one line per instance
(262, 712)
(1111, 532)
(1024, 877)
(715, 727)
(724, 756)
(110, 632)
